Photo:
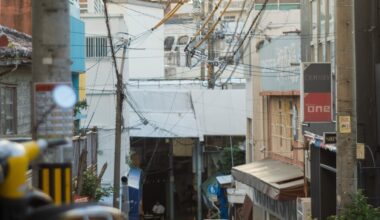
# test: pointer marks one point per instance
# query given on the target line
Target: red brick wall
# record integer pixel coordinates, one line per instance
(17, 14)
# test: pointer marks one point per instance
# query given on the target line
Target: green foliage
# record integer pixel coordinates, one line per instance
(79, 106)
(92, 189)
(358, 210)
(225, 164)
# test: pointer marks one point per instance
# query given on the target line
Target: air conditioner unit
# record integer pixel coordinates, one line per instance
(303, 208)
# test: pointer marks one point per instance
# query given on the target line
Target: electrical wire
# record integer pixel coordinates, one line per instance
(208, 34)
(204, 24)
(169, 15)
(245, 37)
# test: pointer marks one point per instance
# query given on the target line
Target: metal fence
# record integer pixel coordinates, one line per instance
(87, 143)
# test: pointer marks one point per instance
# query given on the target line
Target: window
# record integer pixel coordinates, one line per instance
(98, 6)
(83, 6)
(96, 47)
(183, 40)
(8, 111)
(168, 43)
(229, 18)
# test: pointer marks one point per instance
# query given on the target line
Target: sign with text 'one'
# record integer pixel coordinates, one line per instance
(317, 92)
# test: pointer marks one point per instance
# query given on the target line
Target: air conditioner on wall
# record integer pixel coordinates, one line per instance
(303, 208)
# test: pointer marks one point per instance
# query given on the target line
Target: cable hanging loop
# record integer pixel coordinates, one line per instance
(169, 15)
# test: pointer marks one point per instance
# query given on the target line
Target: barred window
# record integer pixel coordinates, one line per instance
(229, 18)
(8, 112)
(96, 46)
(168, 43)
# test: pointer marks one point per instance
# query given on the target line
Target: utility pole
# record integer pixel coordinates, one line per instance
(346, 179)
(211, 52)
(199, 159)
(50, 67)
(199, 5)
(119, 110)
(199, 16)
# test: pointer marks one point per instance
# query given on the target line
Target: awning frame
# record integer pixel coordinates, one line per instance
(278, 180)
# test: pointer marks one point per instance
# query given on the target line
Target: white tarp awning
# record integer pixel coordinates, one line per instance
(187, 113)
(220, 112)
(169, 114)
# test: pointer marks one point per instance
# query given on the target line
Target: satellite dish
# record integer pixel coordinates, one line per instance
(64, 96)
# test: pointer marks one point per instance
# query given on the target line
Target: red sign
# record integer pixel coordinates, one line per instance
(317, 107)
(81, 199)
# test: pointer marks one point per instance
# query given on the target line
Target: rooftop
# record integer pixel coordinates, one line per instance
(15, 47)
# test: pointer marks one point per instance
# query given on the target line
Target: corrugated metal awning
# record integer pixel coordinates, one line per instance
(278, 180)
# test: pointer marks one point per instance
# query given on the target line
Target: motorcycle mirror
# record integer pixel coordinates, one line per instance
(64, 96)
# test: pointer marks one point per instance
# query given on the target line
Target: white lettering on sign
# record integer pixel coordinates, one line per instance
(318, 108)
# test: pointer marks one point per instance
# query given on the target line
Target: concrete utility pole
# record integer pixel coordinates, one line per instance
(51, 65)
(211, 51)
(199, 159)
(119, 110)
(171, 182)
(203, 64)
(199, 16)
(346, 183)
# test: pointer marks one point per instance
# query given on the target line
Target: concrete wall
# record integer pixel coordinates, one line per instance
(100, 72)
(21, 78)
(277, 56)
(106, 151)
(148, 48)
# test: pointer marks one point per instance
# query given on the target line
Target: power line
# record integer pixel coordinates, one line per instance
(246, 35)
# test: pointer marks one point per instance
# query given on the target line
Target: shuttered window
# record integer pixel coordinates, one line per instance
(96, 47)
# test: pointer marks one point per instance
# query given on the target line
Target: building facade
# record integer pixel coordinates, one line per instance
(15, 82)
(184, 61)
(319, 46)
(274, 117)
(17, 18)
(100, 86)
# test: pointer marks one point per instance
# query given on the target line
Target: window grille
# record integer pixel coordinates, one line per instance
(96, 47)
(8, 111)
